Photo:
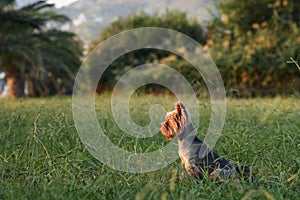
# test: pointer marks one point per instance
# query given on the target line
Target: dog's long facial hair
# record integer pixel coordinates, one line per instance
(178, 124)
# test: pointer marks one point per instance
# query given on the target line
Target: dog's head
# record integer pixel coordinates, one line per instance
(175, 122)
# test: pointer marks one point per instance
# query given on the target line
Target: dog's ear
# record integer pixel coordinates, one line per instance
(182, 112)
(179, 106)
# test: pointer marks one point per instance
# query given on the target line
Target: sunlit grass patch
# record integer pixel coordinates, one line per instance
(42, 157)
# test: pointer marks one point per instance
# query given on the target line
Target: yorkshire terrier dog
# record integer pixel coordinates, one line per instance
(196, 163)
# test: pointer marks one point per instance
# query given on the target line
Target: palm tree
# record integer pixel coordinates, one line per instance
(27, 46)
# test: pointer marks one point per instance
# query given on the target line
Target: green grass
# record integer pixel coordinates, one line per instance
(42, 157)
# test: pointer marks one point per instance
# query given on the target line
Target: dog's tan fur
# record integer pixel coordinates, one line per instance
(174, 123)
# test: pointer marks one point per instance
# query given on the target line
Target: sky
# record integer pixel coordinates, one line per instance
(61, 3)
(58, 3)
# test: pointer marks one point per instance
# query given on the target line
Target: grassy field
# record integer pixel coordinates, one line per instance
(42, 157)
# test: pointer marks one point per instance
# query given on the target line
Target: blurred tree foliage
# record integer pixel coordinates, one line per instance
(251, 42)
(32, 49)
(174, 20)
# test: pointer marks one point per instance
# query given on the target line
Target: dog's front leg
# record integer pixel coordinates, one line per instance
(193, 169)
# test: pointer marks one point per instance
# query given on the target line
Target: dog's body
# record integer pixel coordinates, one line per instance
(198, 159)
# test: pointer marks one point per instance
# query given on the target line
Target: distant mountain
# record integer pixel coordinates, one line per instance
(90, 16)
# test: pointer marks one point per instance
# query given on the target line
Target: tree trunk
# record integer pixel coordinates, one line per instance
(15, 83)
(35, 87)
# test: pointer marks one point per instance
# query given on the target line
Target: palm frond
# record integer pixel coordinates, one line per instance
(37, 6)
(6, 3)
